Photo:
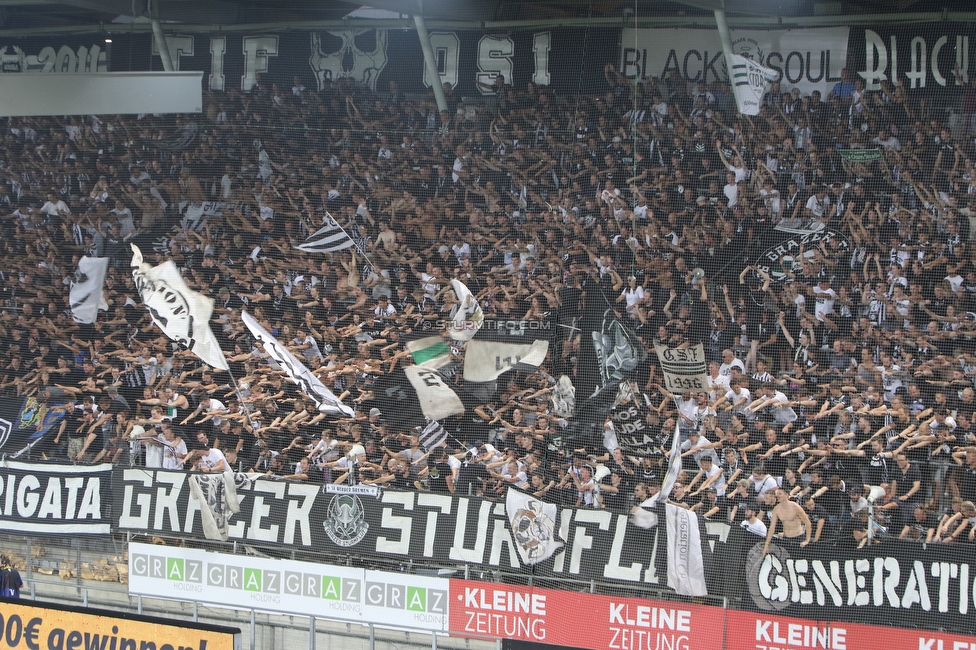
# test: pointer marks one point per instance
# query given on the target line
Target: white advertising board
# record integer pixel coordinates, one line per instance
(289, 587)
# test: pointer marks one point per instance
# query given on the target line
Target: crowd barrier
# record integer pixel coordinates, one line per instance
(822, 594)
(491, 610)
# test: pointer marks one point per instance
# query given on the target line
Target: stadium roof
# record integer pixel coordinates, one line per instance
(51, 16)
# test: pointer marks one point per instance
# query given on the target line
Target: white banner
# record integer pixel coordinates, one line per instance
(289, 587)
(686, 569)
(86, 290)
(436, 398)
(487, 360)
(808, 59)
(684, 369)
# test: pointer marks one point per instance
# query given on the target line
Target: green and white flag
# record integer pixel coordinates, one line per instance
(750, 81)
(860, 155)
(430, 352)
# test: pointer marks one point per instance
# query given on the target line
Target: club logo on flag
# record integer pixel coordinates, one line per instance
(6, 426)
(345, 523)
(533, 529)
(534, 526)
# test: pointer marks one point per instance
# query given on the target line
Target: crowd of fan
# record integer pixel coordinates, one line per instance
(843, 375)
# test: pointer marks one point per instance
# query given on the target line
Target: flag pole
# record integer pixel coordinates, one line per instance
(726, 39)
(240, 398)
(354, 242)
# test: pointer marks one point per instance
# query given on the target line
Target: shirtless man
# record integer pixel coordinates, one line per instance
(793, 517)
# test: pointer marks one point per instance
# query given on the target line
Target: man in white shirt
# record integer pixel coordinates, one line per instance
(54, 207)
(825, 297)
(718, 384)
(776, 402)
(752, 523)
(818, 203)
(738, 396)
(211, 460)
(213, 408)
(731, 189)
(174, 449)
(699, 447)
(728, 361)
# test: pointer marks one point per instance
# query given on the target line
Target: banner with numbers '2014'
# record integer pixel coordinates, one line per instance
(683, 368)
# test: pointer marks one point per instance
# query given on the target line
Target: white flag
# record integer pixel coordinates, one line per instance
(86, 291)
(326, 400)
(437, 400)
(674, 468)
(750, 81)
(181, 313)
(487, 360)
(686, 569)
(467, 317)
(533, 526)
(327, 239)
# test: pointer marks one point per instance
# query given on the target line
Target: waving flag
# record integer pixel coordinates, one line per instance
(86, 290)
(326, 400)
(429, 352)
(468, 317)
(413, 396)
(327, 239)
(181, 313)
(750, 81)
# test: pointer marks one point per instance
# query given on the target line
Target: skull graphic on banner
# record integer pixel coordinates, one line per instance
(359, 55)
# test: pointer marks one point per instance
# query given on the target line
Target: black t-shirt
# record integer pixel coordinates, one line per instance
(818, 513)
(438, 473)
(967, 484)
(906, 480)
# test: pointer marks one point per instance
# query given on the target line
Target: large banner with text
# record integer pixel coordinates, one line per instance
(808, 59)
(394, 525)
(893, 581)
(52, 499)
(467, 62)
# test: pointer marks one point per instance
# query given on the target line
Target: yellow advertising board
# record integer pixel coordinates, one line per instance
(32, 625)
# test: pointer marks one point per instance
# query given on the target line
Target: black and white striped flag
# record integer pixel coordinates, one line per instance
(433, 435)
(327, 239)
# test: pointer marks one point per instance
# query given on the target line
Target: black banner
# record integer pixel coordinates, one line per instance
(781, 251)
(568, 60)
(894, 580)
(924, 54)
(24, 421)
(41, 499)
(424, 527)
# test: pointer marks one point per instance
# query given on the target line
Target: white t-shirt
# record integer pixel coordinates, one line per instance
(216, 405)
(719, 483)
(726, 368)
(818, 207)
(732, 398)
(718, 385)
(784, 414)
(757, 528)
(52, 209)
(632, 297)
(688, 445)
(825, 302)
(763, 485)
(214, 459)
(171, 452)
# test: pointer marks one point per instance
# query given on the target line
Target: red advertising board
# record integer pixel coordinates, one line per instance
(581, 620)
(757, 631)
